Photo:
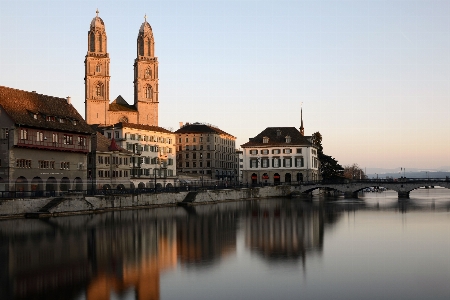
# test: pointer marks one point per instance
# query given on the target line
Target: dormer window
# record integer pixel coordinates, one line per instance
(61, 120)
(50, 119)
(278, 132)
(288, 139)
(265, 140)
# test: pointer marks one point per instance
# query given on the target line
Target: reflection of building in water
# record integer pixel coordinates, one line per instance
(207, 233)
(43, 261)
(283, 231)
(116, 256)
(132, 257)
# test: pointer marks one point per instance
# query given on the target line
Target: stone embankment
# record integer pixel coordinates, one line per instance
(82, 204)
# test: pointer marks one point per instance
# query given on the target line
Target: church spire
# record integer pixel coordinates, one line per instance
(302, 129)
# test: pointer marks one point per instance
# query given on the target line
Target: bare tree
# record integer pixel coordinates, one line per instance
(354, 172)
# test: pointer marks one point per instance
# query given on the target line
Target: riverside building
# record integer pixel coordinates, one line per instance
(280, 155)
(206, 149)
(44, 144)
(153, 157)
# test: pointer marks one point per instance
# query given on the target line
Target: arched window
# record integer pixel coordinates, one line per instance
(99, 90)
(100, 42)
(92, 42)
(148, 73)
(98, 68)
(148, 47)
(148, 92)
(141, 46)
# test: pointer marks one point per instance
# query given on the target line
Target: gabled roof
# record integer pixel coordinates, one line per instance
(277, 137)
(201, 128)
(104, 145)
(32, 109)
(119, 104)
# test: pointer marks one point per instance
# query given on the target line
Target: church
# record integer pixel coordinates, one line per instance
(98, 108)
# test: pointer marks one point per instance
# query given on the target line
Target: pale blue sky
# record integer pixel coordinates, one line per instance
(373, 76)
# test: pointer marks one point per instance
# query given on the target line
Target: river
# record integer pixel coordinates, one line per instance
(372, 248)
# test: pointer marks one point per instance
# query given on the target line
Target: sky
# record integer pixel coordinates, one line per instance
(373, 77)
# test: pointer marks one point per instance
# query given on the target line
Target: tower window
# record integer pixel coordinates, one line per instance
(92, 42)
(99, 90)
(148, 92)
(98, 68)
(148, 73)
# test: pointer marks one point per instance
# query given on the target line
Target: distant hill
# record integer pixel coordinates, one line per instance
(412, 174)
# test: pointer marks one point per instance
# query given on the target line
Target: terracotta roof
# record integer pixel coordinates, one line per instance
(201, 128)
(32, 109)
(276, 139)
(119, 104)
(138, 126)
(103, 144)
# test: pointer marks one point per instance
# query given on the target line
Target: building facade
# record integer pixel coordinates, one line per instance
(44, 143)
(153, 158)
(98, 108)
(109, 166)
(205, 149)
(280, 155)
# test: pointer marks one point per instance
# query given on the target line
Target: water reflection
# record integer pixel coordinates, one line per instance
(124, 253)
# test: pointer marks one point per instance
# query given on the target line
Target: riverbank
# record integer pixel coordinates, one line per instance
(74, 204)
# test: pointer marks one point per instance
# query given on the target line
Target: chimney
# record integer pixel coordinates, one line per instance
(181, 124)
(68, 99)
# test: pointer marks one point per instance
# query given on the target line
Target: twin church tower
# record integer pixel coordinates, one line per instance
(98, 108)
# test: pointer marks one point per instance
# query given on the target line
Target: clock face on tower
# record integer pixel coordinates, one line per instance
(123, 119)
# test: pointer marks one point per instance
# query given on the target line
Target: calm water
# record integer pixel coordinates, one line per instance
(375, 248)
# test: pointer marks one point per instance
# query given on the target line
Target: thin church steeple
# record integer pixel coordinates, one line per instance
(302, 129)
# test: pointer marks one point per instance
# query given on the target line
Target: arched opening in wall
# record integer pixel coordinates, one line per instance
(78, 184)
(254, 178)
(50, 185)
(106, 187)
(99, 89)
(158, 185)
(21, 184)
(148, 47)
(132, 186)
(65, 184)
(287, 177)
(276, 178)
(299, 177)
(120, 187)
(37, 187)
(100, 46)
(169, 186)
(141, 185)
(141, 46)
(92, 42)
(265, 178)
(148, 92)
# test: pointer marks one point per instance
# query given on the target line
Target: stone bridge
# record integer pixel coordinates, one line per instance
(351, 188)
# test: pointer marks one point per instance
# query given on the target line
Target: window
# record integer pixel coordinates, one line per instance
(194, 155)
(299, 150)
(46, 164)
(276, 151)
(23, 163)
(99, 90)
(208, 155)
(208, 164)
(4, 133)
(50, 119)
(98, 68)
(187, 164)
(276, 162)
(299, 162)
(287, 162)
(253, 163)
(253, 151)
(187, 155)
(68, 139)
(54, 137)
(265, 151)
(187, 140)
(194, 140)
(148, 92)
(24, 134)
(288, 139)
(81, 141)
(287, 151)
(39, 136)
(187, 147)
(194, 164)
(265, 140)
(109, 135)
(65, 165)
(116, 134)
(265, 163)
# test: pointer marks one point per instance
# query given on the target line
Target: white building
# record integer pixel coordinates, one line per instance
(153, 160)
(280, 154)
